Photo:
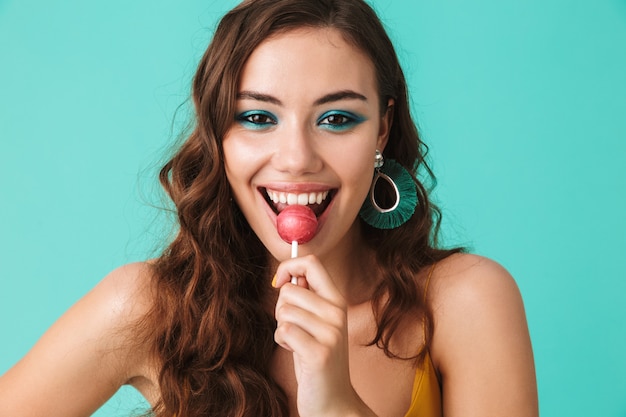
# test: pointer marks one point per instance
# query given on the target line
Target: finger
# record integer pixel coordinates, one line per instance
(294, 338)
(316, 276)
(293, 300)
(328, 330)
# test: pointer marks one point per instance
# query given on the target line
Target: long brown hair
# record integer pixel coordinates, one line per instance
(210, 330)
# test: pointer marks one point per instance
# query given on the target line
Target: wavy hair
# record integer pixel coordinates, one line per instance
(210, 328)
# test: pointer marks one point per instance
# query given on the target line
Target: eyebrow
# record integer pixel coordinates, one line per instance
(328, 98)
(340, 95)
(253, 95)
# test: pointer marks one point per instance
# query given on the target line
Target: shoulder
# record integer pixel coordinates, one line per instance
(465, 279)
(125, 293)
(114, 307)
(481, 344)
(94, 337)
(472, 292)
(123, 296)
(115, 304)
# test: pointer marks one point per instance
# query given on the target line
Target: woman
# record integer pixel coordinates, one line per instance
(298, 102)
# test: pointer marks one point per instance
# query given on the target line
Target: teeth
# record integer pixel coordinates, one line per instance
(300, 199)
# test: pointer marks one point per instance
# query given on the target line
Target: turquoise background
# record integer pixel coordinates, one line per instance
(522, 103)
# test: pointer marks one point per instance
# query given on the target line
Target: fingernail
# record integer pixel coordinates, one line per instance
(274, 281)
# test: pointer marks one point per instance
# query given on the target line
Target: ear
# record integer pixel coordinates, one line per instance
(385, 126)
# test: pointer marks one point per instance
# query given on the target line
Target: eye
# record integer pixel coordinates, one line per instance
(256, 119)
(339, 120)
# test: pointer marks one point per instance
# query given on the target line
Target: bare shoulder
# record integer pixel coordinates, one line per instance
(87, 354)
(481, 344)
(471, 280)
(470, 291)
(115, 304)
(124, 294)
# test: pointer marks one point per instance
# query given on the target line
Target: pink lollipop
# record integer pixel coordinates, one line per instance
(296, 224)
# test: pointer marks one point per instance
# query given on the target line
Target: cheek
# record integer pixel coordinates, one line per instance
(239, 156)
(235, 168)
(244, 151)
(365, 172)
(230, 166)
(357, 170)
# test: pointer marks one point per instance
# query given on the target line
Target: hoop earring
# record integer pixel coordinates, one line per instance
(405, 196)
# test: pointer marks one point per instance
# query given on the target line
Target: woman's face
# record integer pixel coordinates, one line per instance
(307, 123)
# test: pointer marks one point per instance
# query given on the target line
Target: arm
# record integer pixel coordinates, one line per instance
(481, 344)
(84, 357)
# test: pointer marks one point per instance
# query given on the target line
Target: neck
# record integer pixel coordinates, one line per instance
(353, 267)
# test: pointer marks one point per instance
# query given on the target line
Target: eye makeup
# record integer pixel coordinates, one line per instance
(339, 120)
(256, 119)
(332, 120)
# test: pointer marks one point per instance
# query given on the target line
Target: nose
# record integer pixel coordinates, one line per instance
(296, 152)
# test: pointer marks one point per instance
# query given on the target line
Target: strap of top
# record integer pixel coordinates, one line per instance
(426, 395)
(430, 274)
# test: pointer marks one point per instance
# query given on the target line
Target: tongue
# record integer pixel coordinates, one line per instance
(296, 223)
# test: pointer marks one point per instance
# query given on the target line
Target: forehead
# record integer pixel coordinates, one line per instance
(306, 61)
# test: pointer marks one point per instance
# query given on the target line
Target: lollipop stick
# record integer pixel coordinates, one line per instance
(294, 254)
(296, 224)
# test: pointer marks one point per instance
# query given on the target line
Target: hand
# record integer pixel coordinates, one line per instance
(312, 323)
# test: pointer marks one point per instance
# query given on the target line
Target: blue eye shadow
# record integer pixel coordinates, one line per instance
(350, 120)
(246, 119)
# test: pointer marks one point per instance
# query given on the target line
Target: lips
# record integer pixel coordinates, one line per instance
(317, 201)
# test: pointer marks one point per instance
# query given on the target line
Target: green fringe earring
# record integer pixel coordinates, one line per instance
(405, 196)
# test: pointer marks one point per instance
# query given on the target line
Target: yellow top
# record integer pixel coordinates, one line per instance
(426, 397)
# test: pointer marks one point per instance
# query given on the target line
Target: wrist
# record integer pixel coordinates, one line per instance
(357, 408)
